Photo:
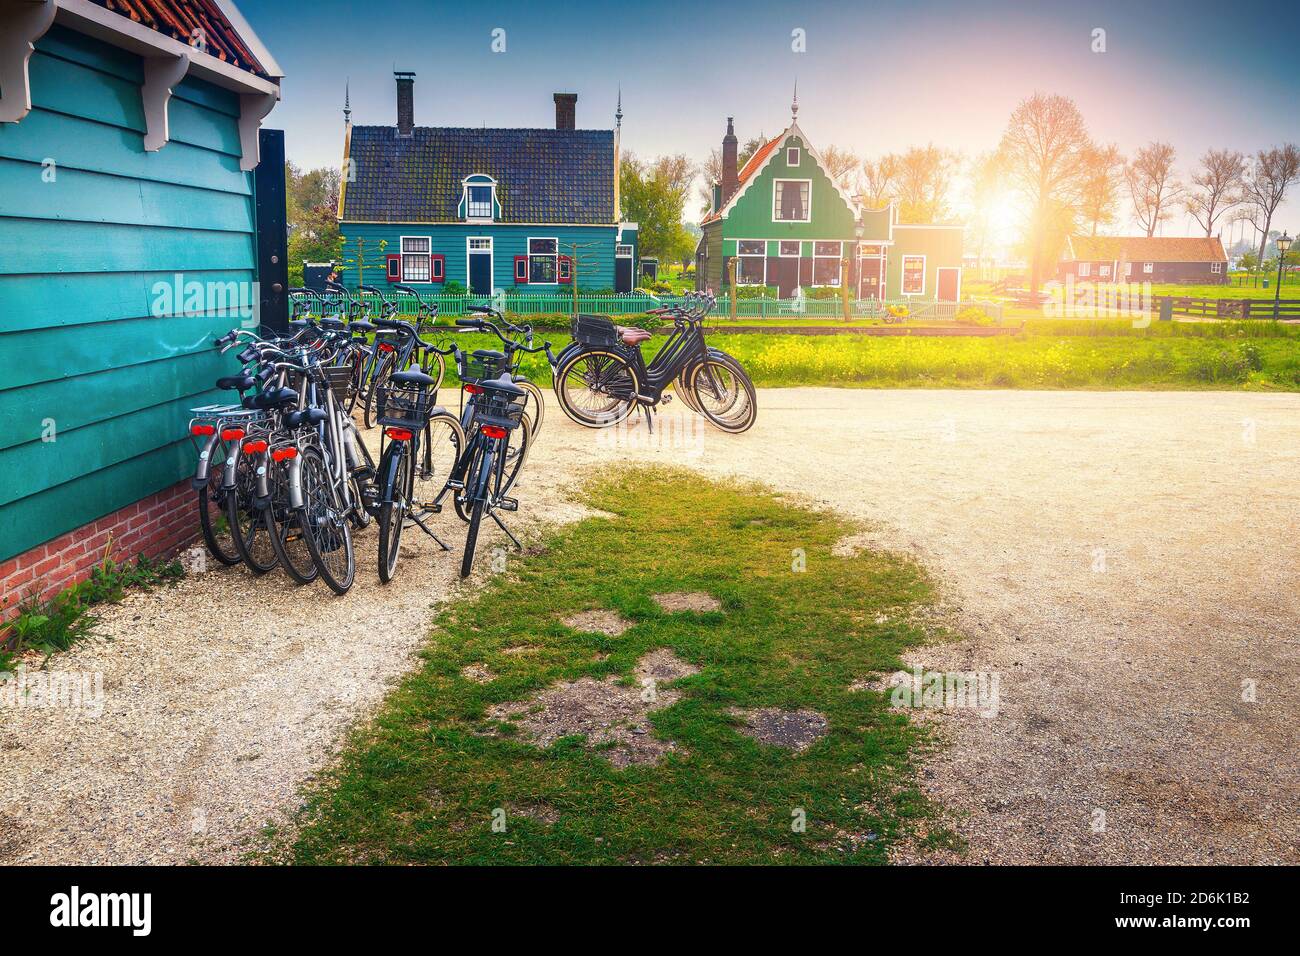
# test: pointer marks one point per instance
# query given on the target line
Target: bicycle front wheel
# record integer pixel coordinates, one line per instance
(393, 512)
(596, 387)
(329, 534)
(724, 393)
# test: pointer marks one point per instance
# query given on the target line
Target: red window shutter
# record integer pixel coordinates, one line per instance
(437, 268)
(521, 269)
(566, 269)
(394, 262)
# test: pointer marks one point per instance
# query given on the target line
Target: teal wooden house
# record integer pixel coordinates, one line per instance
(128, 133)
(521, 210)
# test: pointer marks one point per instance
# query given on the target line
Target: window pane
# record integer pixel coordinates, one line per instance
(541, 246)
(480, 202)
(749, 270)
(415, 244)
(826, 271)
(826, 249)
(541, 268)
(481, 244)
(791, 199)
(415, 268)
(751, 247)
(789, 247)
(913, 275)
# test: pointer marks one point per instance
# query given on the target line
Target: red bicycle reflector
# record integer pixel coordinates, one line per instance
(203, 429)
(284, 454)
(232, 434)
(387, 347)
(494, 431)
(398, 434)
(255, 447)
(473, 389)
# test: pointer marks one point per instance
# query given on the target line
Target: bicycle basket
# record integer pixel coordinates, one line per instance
(338, 378)
(499, 408)
(404, 407)
(473, 367)
(594, 330)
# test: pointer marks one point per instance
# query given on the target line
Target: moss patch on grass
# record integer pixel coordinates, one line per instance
(433, 777)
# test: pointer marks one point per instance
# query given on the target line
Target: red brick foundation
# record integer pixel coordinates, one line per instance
(157, 527)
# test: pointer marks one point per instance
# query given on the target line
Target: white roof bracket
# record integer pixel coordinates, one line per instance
(253, 108)
(161, 74)
(22, 23)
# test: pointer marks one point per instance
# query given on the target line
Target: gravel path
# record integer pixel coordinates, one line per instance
(1123, 561)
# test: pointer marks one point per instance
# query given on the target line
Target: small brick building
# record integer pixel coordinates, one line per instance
(128, 136)
(1186, 260)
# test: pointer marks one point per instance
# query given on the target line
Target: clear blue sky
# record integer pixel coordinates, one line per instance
(876, 77)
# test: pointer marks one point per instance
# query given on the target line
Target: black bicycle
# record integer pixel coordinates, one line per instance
(498, 413)
(604, 377)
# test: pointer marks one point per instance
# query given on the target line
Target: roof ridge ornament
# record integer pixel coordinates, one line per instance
(794, 105)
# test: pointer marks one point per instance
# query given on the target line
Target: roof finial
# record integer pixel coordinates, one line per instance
(794, 105)
(347, 102)
(618, 114)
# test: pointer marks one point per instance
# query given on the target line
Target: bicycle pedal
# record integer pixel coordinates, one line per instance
(667, 399)
(455, 485)
(508, 504)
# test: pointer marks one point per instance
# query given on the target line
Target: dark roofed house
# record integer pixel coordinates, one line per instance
(487, 208)
(1191, 260)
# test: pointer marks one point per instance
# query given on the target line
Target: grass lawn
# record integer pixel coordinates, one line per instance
(1047, 354)
(426, 779)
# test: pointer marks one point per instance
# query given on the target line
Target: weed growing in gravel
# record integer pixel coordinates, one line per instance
(59, 622)
(439, 774)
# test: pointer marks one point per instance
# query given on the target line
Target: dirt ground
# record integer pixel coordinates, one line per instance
(1124, 562)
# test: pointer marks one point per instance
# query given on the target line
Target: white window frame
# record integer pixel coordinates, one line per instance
(902, 273)
(1084, 270)
(797, 155)
(426, 255)
(492, 258)
(776, 207)
(839, 263)
(1148, 268)
(543, 255)
(1103, 270)
(490, 185)
(751, 255)
(623, 250)
(1128, 269)
(1216, 268)
(797, 254)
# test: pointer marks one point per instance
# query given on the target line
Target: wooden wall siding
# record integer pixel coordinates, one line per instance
(941, 246)
(79, 259)
(507, 242)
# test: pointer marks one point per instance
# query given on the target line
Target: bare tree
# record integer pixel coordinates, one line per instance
(924, 180)
(841, 166)
(1103, 179)
(1273, 173)
(677, 171)
(1216, 187)
(1045, 150)
(878, 180)
(711, 169)
(1152, 186)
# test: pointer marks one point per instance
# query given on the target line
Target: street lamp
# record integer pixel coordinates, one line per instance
(1283, 244)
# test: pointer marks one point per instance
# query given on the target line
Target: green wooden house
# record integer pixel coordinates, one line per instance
(127, 140)
(788, 225)
(521, 210)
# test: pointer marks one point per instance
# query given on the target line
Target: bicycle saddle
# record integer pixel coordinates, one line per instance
(489, 354)
(240, 383)
(412, 377)
(305, 416)
(271, 398)
(332, 324)
(502, 385)
(631, 335)
(362, 325)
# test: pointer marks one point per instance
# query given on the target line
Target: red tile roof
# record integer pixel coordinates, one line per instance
(180, 18)
(749, 169)
(1144, 249)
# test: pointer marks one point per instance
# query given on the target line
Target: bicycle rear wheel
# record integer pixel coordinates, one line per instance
(536, 409)
(248, 523)
(383, 372)
(212, 511)
(596, 387)
(287, 535)
(393, 512)
(329, 534)
(724, 393)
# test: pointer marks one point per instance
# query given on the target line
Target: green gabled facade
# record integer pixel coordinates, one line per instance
(785, 224)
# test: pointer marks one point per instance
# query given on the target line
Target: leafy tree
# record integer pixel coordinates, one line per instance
(312, 200)
(654, 195)
(1045, 150)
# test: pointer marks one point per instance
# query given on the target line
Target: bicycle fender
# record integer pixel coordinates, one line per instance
(295, 482)
(388, 474)
(204, 467)
(262, 490)
(232, 465)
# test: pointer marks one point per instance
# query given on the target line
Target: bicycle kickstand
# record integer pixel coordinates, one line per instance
(493, 515)
(425, 528)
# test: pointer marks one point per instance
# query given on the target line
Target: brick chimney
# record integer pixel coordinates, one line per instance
(730, 178)
(566, 110)
(405, 102)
